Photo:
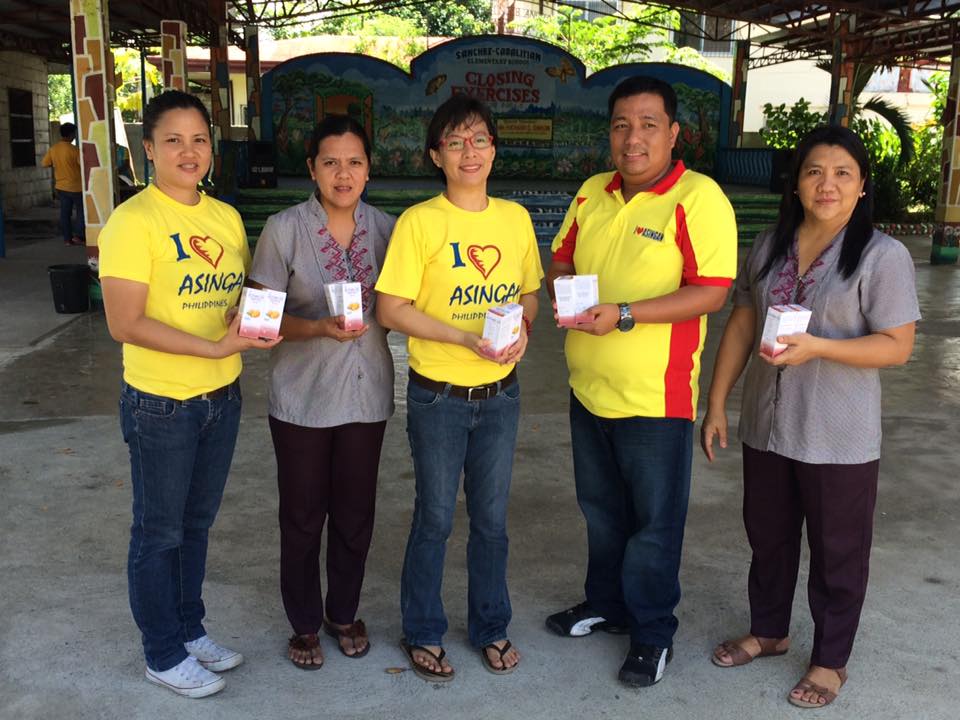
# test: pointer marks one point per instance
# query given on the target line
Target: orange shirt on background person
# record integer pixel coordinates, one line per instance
(65, 159)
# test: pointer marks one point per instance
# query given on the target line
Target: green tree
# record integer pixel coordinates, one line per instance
(610, 41)
(783, 128)
(127, 64)
(447, 19)
(439, 19)
(59, 95)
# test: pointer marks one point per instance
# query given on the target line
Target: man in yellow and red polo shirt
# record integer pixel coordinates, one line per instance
(663, 242)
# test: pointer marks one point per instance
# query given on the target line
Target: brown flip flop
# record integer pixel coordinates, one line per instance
(426, 673)
(488, 664)
(739, 656)
(806, 684)
(305, 643)
(353, 631)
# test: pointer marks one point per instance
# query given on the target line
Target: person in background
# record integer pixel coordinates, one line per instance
(450, 259)
(331, 390)
(810, 423)
(64, 157)
(172, 265)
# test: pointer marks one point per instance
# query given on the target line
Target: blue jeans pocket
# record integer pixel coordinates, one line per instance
(155, 407)
(512, 393)
(417, 395)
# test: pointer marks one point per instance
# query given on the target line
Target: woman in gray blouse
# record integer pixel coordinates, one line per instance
(331, 390)
(810, 423)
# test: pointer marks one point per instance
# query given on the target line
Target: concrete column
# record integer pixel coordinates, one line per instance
(220, 101)
(252, 40)
(947, 231)
(173, 34)
(738, 97)
(93, 69)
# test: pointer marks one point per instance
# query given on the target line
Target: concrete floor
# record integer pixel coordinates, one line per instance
(69, 648)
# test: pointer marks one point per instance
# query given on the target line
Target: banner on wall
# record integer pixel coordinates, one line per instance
(551, 119)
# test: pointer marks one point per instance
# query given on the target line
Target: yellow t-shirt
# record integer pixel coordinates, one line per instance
(65, 159)
(680, 232)
(455, 264)
(195, 259)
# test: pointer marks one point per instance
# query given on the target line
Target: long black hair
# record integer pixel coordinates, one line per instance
(860, 226)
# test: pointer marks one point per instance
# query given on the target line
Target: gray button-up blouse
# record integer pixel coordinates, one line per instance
(321, 382)
(824, 411)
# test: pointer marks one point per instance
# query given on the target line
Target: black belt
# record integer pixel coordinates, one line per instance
(477, 392)
(213, 394)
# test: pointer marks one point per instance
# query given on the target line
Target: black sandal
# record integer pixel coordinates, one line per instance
(353, 631)
(424, 672)
(488, 663)
(305, 643)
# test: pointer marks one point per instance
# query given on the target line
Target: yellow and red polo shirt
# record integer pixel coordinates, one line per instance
(682, 231)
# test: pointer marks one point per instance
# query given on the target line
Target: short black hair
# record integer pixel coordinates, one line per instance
(859, 229)
(336, 125)
(639, 84)
(454, 112)
(68, 131)
(170, 100)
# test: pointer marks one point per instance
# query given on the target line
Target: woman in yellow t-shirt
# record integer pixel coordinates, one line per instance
(172, 263)
(449, 260)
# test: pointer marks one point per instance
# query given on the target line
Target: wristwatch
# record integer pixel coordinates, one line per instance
(626, 321)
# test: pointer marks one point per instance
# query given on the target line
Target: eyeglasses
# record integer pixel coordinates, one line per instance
(480, 141)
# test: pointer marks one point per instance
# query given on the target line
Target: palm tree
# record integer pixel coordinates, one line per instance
(894, 116)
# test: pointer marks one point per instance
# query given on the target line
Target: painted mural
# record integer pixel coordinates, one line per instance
(551, 118)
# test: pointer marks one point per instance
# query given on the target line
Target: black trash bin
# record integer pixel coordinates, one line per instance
(69, 285)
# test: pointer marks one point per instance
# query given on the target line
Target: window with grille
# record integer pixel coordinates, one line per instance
(693, 27)
(23, 151)
(593, 9)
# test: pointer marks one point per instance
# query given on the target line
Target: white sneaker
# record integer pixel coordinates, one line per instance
(213, 656)
(188, 678)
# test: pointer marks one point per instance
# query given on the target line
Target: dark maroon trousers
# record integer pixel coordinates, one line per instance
(837, 502)
(325, 473)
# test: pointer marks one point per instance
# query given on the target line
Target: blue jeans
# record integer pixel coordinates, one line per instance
(633, 484)
(180, 454)
(69, 201)
(449, 435)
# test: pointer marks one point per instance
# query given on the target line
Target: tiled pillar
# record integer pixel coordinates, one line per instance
(738, 97)
(93, 69)
(173, 35)
(220, 101)
(947, 217)
(841, 73)
(253, 82)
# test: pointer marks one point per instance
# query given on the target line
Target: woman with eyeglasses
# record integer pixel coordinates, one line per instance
(449, 260)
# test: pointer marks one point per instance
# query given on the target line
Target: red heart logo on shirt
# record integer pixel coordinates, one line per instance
(484, 258)
(207, 248)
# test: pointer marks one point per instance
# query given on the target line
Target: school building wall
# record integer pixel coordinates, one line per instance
(24, 187)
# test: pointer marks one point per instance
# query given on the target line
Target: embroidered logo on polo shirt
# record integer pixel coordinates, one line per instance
(649, 233)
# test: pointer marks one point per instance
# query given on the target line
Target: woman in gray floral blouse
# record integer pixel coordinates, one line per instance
(810, 423)
(331, 390)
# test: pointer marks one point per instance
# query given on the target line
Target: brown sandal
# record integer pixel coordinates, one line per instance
(352, 631)
(739, 656)
(305, 643)
(806, 685)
